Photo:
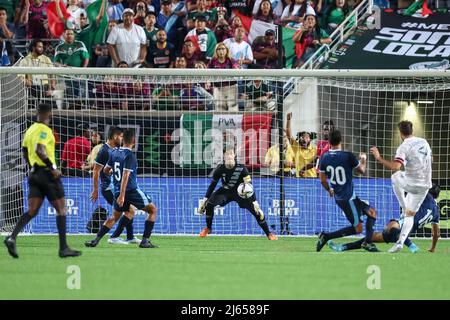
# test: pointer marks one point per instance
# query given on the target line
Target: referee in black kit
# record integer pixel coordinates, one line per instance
(44, 180)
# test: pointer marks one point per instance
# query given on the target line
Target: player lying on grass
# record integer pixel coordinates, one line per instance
(115, 137)
(122, 164)
(428, 213)
(232, 175)
(337, 166)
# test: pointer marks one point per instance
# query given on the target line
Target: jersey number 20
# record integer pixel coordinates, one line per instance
(337, 175)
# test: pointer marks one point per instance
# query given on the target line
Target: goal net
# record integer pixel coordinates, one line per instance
(184, 119)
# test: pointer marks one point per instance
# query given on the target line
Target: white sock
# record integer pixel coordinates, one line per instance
(408, 223)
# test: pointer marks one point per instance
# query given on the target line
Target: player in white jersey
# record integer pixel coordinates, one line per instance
(414, 154)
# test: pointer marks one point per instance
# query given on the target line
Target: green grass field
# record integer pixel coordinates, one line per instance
(221, 268)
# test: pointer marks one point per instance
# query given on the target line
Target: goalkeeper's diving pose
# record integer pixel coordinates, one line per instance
(232, 175)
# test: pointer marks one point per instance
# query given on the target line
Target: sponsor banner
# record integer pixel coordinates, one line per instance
(402, 42)
(309, 208)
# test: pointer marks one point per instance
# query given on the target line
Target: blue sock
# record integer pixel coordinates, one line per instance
(347, 231)
(408, 242)
(129, 227)
(147, 229)
(369, 229)
(123, 222)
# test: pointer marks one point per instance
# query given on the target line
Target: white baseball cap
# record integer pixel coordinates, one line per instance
(127, 10)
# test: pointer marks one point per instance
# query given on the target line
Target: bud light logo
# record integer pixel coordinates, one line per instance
(72, 210)
(290, 208)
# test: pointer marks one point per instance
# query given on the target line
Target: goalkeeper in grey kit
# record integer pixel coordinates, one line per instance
(232, 175)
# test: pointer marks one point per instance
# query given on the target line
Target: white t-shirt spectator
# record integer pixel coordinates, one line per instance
(128, 43)
(239, 51)
(286, 14)
(75, 13)
(277, 6)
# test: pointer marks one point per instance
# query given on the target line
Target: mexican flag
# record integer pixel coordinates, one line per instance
(204, 137)
(257, 28)
(55, 26)
(417, 8)
(97, 31)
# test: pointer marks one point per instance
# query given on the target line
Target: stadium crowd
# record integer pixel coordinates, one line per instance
(216, 34)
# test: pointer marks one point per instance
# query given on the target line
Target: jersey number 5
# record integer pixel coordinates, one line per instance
(338, 173)
(117, 174)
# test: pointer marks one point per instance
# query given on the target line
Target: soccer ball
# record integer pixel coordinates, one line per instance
(245, 190)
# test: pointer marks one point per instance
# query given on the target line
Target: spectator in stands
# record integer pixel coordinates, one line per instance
(150, 6)
(305, 156)
(11, 8)
(258, 95)
(163, 54)
(127, 41)
(242, 6)
(305, 152)
(75, 152)
(308, 39)
(164, 14)
(225, 92)
(334, 15)
(170, 18)
(34, 16)
(104, 59)
(324, 145)
(6, 34)
(265, 51)
(191, 53)
(115, 10)
(203, 90)
(141, 10)
(203, 11)
(272, 158)
(222, 30)
(265, 12)
(38, 85)
(75, 11)
(277, 8)
(150, 29)
(96, 143)
(204, 37)
(240, 50)
(294, 14)
(72, 53)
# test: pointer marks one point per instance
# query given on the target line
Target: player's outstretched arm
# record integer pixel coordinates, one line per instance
(362, 163)
(391, 165)
(435, 236)
(25, 155)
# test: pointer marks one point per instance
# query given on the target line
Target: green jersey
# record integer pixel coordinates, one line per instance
(72, 55)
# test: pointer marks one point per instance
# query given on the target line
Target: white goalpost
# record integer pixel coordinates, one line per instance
(184, 118)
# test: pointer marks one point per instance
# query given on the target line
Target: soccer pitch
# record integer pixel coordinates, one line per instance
(221, 268)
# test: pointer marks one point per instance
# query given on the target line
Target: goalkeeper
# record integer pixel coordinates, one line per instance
(232, 175)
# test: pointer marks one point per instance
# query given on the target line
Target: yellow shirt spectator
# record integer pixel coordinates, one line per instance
(272, 158)
(303, 157)
(39, 133)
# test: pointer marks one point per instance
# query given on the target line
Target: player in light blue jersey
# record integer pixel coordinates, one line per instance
(337, 166)
(428, 213)
(122, 164)
(115, 137)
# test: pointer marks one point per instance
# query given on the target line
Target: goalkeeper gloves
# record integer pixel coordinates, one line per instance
(258, 210)
(202, 206)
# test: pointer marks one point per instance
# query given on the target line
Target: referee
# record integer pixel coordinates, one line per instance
(44, 181)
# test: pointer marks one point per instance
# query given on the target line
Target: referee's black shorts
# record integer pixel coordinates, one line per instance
(41, 184)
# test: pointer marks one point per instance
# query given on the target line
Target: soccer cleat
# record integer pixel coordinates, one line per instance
(135, 240)
(369, 247)
(117, 240)
(335, 246)
(321, 242)
(396, 248)
(67, 252)
(11, 245)
(91, 244)
(413, 248)
(205, 232)
(272, 237)
(147, 245)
